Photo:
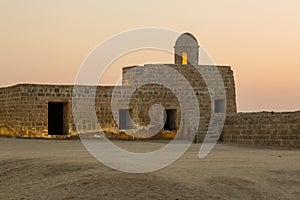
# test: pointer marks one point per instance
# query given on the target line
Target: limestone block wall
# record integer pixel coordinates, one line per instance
(137, 100)
(24, 112)
(32, 106)
(263, 128)
(132, 75)
(24, 109)
(10, 111)
(194, 78)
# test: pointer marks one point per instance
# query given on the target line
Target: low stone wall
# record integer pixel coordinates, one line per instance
(263, 128)
(24, 113)
(10, 109)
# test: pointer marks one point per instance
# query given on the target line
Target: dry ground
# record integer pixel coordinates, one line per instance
(63, 169)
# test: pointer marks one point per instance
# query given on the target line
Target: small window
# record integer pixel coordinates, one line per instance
(125, 119)
(219, 106)
(170, 123)
(184, 58)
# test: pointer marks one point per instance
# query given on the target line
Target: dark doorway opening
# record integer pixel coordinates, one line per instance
(170, 117)
(56, 122)
(124, 119)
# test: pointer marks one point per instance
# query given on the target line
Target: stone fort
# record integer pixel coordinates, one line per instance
(45, 111)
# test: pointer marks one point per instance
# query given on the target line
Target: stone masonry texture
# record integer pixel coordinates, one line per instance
(24, 108)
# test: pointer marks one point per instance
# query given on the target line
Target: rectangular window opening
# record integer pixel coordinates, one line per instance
(219, 106)
(125, 119)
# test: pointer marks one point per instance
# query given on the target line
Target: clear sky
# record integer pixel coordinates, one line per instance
(43, 41)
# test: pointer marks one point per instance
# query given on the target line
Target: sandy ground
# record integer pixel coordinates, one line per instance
(63, 169)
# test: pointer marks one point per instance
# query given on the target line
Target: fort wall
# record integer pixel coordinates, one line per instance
(10, 108)
(263, 128)
(24, 113)
(50, 111)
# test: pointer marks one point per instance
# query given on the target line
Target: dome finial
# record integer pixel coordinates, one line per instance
(186, 49)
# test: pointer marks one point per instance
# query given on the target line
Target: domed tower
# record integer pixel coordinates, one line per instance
(186, 50)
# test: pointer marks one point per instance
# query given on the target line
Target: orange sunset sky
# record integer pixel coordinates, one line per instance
(43, 41)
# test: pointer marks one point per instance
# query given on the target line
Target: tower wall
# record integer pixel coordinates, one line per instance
(192, 55)
(165, 96)
(186, 43)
